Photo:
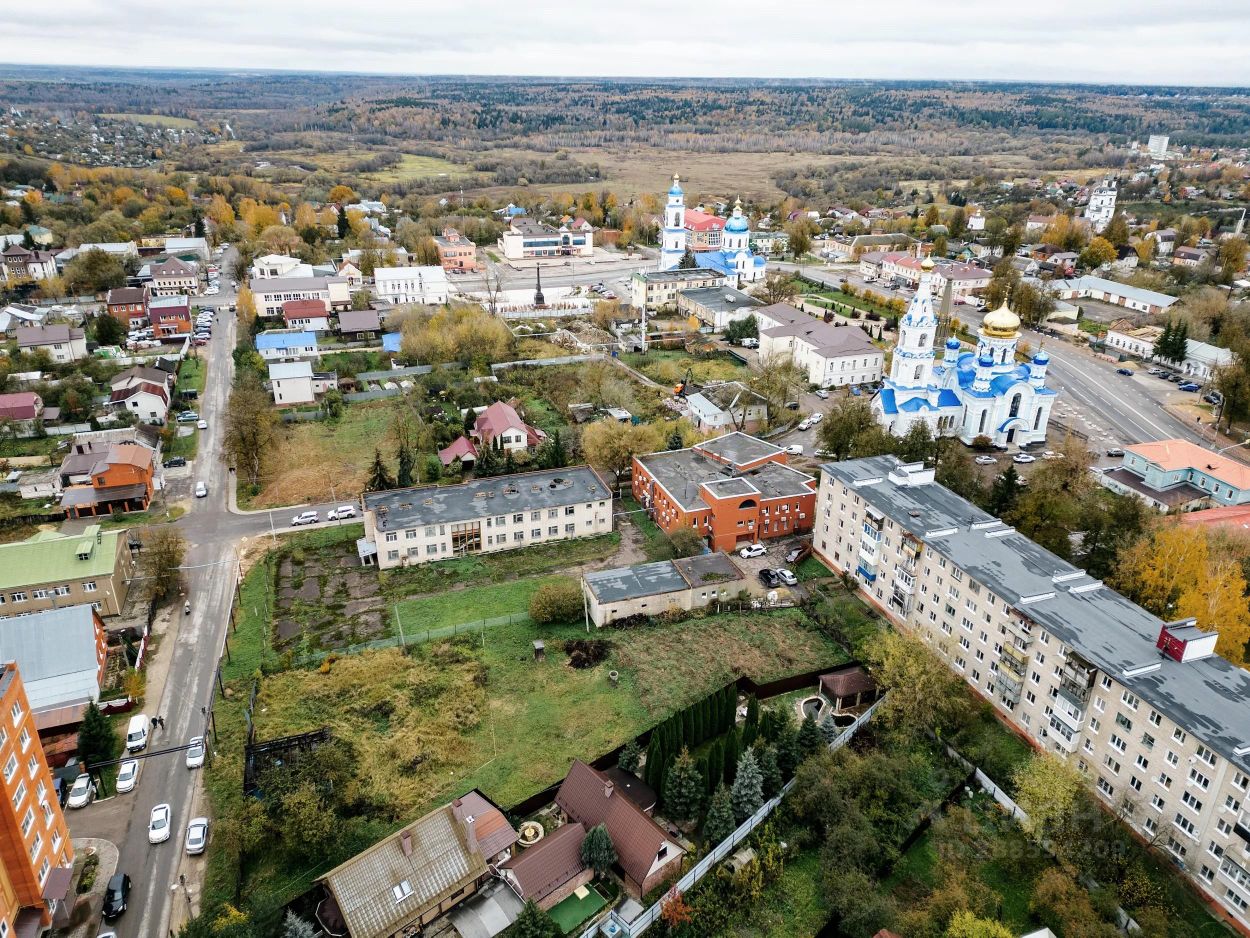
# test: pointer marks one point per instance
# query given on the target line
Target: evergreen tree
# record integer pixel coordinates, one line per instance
(341, 222)
(810, 740)
(469, 422)
(674, 439)
(199, 225)
(554, 454)
(295, 927)
(487, 463)
(727, 698)
(788, 752)
(597, 850)
(509, 463)
(1163, 344)
(533, 922)
(747, 793)
(96, 740)
(715, 764)
(771, 724)
(706, 775)
(1004, 492)
(1180, 342)
(655, 759)
(751, 726)
(379, 476)
(687, 261)
(696, 723)
(720, 817)
(630, 757)
(732, 752)
(770, 774)
(28, 240)
(687, 728)
(403, 478)
(684, 788)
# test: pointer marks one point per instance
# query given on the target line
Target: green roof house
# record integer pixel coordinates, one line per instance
(50, 570)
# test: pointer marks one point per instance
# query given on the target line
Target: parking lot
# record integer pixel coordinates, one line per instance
(773, 558)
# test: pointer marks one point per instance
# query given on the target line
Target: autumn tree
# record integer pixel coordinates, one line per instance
(846, 420)
(1175, 574)
(1116, 232)
(1099, 251)
(558, 601)
(674, 911)
(924, 695)
(160, 563)
(610, 446)
(1232, 257)
(686, 542)
(245, 306)
(251, 427)
(341, 195)
(1047, 791)
(94, 271)
(778, 287)
(965, 924)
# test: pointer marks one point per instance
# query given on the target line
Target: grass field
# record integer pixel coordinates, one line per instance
(185, 446)
(30, 446)
(192, 376)
(413, 167)
(157, 120)
(669, 367)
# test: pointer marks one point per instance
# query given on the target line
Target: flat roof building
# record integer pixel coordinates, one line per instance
(651, 589)
(716, 306)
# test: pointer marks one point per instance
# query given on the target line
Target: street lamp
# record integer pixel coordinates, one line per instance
(1244, 442)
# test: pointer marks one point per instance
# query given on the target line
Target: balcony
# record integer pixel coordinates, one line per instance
(1014, 660)
(1008, 686)
(1067, 741)
(869, 575)
(868, 553)
(904, 583)
(1020, 632)
(1070, 712)
(1076, 678)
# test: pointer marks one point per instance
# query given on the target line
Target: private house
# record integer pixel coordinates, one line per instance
(21, 407)
(1189, 257)
(768, 242)
(306, 315)
(965, 279)
(716, 306)
(172, 276)
(526, 238)
(1109, 291)
(18, 263)
(139, 374)
(728, 406)
(646, 855)
(147, 400)
(34, 857)
(62, 654)
(272, 266)
(121, 478)
(1129, 700)
(461, 448)
(455, 251)
(832, 355)
(1201, 358)
(128, 305)
(499, 425)
(16, 315)
(732, 489)
(63, 343)
(170, 315)
(51, 569)
(551, 870)
(351, 273)
(403, 883)
(276, 346)
(359, 325)
(119, 249)
(425, 285)
(404, 527)
(659, 289)
(297, 383)
(270, 293)
(1176, 475)
(652, 589)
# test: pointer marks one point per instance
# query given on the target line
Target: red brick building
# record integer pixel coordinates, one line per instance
(129, 305)
(733, 489)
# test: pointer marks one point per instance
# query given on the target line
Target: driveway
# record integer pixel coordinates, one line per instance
(488, 913)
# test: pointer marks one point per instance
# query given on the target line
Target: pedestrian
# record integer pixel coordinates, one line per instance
(154, 719)
(162, 719)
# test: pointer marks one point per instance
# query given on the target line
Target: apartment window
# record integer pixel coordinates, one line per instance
(1206, 873)
(1147, 740)
(1206, 755)
(1235, 900)
(1118, 743)
(392, 536)
(553, 530)
(1239, 781)
(1154, 718)
(23, 741)
(1142, 762)
(518, 518)
(570, 510)
(392, 555)
(1223, 827)
(28, 821)
(1232, 804)
(1134, 783)
(1165, 781)
(1130, 700)
(518, 536)
(553, 513)
(35, 846)
(430, 548)
(1150, 825)
(1184, 824)
(1099, 704)
(1122, 720)
(1197, 778)
(1112, 764)
(32, 766)
(89, 586)
(19, 597)
(536, 516)
(1179, 735)
(1105, 787)
(39, 594)
(1171, 758)
(1189, 801)
(1106, 682)
(1156, 802)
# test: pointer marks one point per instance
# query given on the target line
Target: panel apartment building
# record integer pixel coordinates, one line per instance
(416, 525)
(1143, 708)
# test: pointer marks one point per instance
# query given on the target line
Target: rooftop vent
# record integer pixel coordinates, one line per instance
(1183, 641)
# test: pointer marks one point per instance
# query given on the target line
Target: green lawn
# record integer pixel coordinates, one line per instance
(185, 446)
(192, 376)
(571, 912)
(655, 543)
(31, 446)
(468, 606)
(669, 366)
(412, 167)
(792, 907)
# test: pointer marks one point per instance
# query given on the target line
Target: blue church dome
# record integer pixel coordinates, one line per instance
(737, 224)
(952, 343)
(676, 189)
(987, 361)
(1041, 358)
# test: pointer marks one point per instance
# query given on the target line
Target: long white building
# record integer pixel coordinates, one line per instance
(427, 285)
(1143, 708)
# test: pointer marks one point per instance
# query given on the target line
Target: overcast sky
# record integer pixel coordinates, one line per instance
(1200, 42)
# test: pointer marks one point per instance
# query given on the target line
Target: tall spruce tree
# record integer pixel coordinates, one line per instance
(747, 793)
(598, 851)
(380, 478)
(810, 740)
(732, 752)
(630, 757)
(751, 726)
(788, 752)
(769, 772)
(715, 763)
(720, 817)
(96, 740)
(684, 788)
(655, 761)
(403, 475)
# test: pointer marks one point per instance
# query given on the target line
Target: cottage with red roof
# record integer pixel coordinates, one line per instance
(307, 315)
(461, 448)
(23, 405)
(500, 425)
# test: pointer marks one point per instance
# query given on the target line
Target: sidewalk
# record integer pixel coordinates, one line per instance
(94, 899)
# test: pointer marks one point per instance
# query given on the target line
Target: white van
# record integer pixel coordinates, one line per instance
(137, 732)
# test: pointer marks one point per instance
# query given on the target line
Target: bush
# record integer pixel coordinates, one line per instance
(556, 602)
(686, 542)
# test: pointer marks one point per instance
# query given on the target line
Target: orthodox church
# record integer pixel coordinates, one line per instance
(965, 394)
(734, 259)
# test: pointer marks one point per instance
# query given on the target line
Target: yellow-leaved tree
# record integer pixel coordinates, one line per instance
(1175, 573)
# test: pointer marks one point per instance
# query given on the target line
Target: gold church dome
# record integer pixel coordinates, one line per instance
(1002, 323)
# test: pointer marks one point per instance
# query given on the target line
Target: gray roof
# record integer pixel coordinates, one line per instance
(679, 274)
(705, 569)
(683, 472)
(739, 448)
(282, 371)
(55, 651)
(1137, 294)
(293, 284)
(485, 498)
(828, 339)
(359, 320)
(1209, 697)
(648, 579)
(720, 299)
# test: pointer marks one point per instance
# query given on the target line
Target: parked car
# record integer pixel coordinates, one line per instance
(305, 517)
(1023, 458)
(159, 824)
(805, 423)
(137, 732)
(1213, 397)
(175, 462)
(1189, 386)
(195, 754)
(792, 405)
(794, 449)
(188, 416)
(769, 577)
(82, 793)
(116, 896)
(1051, 454)
(749, 342)
(1175, 379)
(822, 394)
(128, 776)
(203, 424)
(786, 577)
(1115, 451)
(343, 511)
(855, 391)
(794, 553)
(201, 490)
(197, 836)
(1125, 371)
(752, 550)
(985, 460)
(816, 418)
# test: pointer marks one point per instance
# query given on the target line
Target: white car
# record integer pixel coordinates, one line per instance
(128, 776)
(816, 418)
(159, 824)
(211, 291)
(305, 517)
(794, 449)
(195, 754)
(82, 792)
(786, 577)
(343, 511)
(203, 424)
(1051, 454)
(197, 836)
(752, 550)
(985, 460)
(201, 490)
(1023, 458)
(823, 394)
(805, 423)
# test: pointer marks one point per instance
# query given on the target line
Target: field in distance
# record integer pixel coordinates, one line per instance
(157, 120)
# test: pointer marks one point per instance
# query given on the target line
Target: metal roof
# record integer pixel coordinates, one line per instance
(280, 371)
(55, 651)
(48, 556)
(648, 579)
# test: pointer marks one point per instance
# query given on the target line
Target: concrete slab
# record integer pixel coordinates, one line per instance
(488, 913)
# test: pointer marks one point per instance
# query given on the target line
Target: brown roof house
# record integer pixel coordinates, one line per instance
(63, 343)
(501, 426)
(646, 855)
(551, 870)
(401, 884)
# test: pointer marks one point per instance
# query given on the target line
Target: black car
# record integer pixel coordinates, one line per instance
(1124, 371)
(174, 462)
(1115, 451)
(116, 896)
(769, 577)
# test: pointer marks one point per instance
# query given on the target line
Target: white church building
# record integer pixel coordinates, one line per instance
(965, 394)
(734, 260)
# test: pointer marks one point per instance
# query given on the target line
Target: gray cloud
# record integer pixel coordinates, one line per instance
(1147, 41)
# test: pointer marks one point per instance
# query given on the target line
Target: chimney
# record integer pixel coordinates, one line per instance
(608, 787)
(470, 833)
(405, 842)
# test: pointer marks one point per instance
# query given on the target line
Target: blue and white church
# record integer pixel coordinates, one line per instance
(734, 260)
(964, 394)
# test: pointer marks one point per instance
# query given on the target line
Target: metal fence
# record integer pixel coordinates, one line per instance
(722, 849)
